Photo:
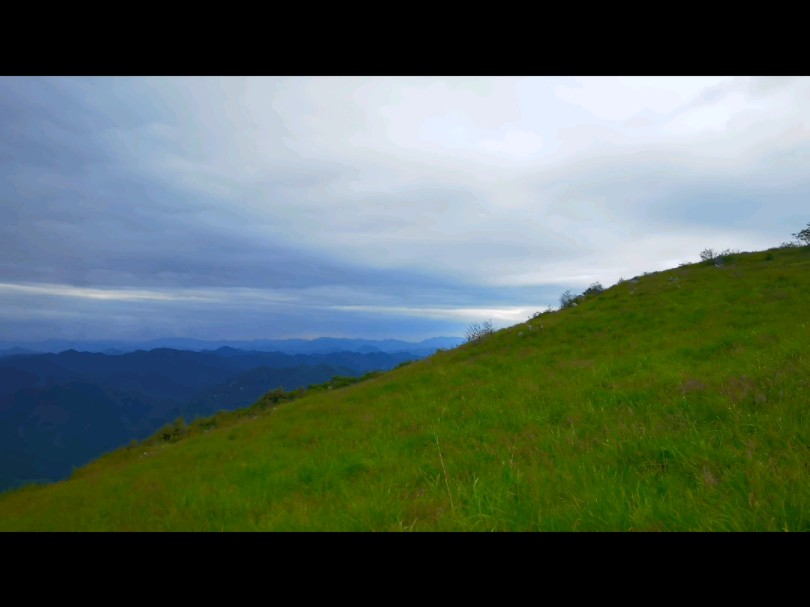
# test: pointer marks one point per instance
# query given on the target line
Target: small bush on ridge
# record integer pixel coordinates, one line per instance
(803, 235)
(595, 289)
(568, 299)
(478, 330)
(719, 257)
(707, 254)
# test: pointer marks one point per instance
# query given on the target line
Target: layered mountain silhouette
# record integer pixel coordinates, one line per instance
(59, 411)
(321, 345)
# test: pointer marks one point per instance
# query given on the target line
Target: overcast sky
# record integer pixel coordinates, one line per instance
(403, 207)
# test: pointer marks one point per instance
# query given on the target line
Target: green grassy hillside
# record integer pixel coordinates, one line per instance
(675, 402)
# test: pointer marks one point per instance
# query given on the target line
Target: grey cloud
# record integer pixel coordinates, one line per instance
(298, 188)
(60, 124)
(28, 317)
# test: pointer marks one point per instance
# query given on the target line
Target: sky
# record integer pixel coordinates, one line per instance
(374, 207)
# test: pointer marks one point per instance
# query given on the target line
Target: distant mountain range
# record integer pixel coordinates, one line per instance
(59, 411)
(322, 345)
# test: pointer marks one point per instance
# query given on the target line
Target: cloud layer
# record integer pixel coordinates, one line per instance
(373, 207)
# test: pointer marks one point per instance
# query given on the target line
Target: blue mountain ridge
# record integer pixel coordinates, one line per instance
(59, 411)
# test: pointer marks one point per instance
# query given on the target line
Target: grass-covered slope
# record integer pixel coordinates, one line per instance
(675, 402)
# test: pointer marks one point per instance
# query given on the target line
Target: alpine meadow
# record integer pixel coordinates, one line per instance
(672, 401)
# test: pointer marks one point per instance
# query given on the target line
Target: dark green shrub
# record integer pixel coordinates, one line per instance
(373, 374)
(595, 289)
(568, 299)
(276, 396)
(173, 432)
(718, 257)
